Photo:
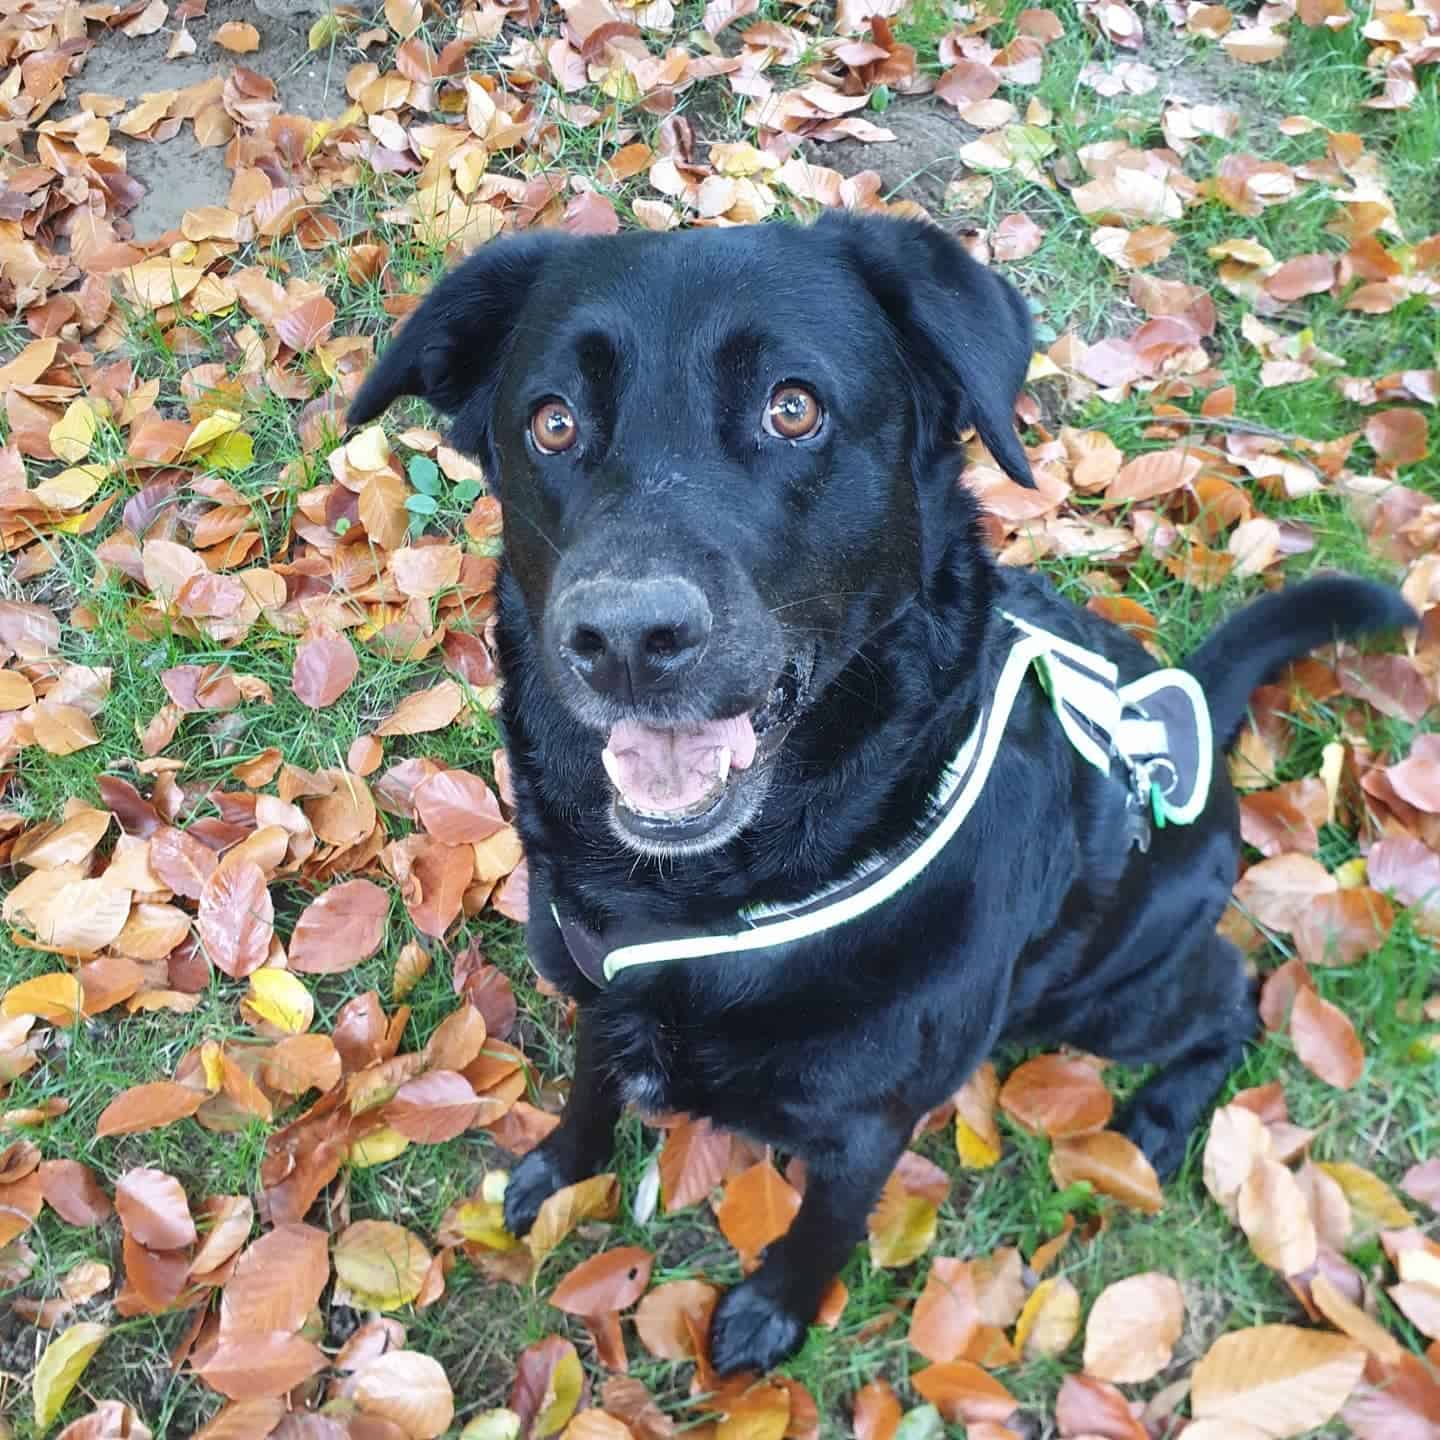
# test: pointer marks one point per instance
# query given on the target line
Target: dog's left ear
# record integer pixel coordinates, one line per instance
(451, 348)
(966, 332)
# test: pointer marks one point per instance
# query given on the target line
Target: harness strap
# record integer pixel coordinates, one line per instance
(1103, 721)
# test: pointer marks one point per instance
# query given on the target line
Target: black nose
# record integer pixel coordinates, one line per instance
(627, 637)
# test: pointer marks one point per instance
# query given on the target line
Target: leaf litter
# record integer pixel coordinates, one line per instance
(176, 886)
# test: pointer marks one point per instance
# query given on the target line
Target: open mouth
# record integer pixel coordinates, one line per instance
(674, 786)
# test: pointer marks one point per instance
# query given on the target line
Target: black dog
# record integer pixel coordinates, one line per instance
(746, 624)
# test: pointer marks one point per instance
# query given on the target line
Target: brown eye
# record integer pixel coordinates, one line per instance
(793, 413)
(553, 427)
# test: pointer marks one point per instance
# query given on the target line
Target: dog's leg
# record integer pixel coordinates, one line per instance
(1161, 1115)
(579, 1146)
(763, 1321)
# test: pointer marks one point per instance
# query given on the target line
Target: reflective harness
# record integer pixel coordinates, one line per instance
(1157, 729)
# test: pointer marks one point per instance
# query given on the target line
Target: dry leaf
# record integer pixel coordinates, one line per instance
(1132, 1328)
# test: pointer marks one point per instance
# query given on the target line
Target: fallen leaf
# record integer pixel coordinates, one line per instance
(1280, 1379)
(60, 1368)
(947, 1314)
(237, 919)
(1050, 1319)
(341, 929)
(237, 36)
(1276, 1219)
(614, 1280)
(437, 1106)
(1113, 1165)
(408, 1389)
(595, 1198)
(148, 1107)
(153, 1209)
(667, 1315)
(548, 1384)
(325, 667)
(756, 1210)
(964, 1394)
(1326, 1041)
(1056, 1097)
(381, 1263)
(1132, 1328)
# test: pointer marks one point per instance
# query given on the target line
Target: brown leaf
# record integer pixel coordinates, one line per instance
(422, 572)
(1304, 275)
(1284, 819)
(757, 1209)
(1086, 1408)
(964, 1394)
(325, 667)
(1326, 1041)
(237, 919)
(1422, 1183)
(548, 1384)
(693, 1161)
(304, 326)
(182, 862)
(1351, 1320)
(662, 1316)
(154, 1210)
(1401, 1402)
(458, 808)
(1343, 927)
(1113, 1165)
(614, 1280)
(253, 1367)
(1277, 892)
(73, 1193)
(148, 1107)
(433, 1107)
(444, 873)
(1132, 1328)
(1400, 436)
(1016, 236)
(1057, 1097)
(1281, 1379)
(341, 929)
(277, 1282)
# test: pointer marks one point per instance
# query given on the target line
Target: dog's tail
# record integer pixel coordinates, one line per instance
(1251, 647)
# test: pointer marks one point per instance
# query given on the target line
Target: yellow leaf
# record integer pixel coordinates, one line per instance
(563, 1395)
(493, 1425)
(61, 1365)
(1373, 1205)
(212, 428)
(482, 1222)
(71, 488)
(902, 1230)
(281, 998)
(565, 1209)
(213, 1065)
(377, 1147)
(56, 997)
(73, 434)
(1050, 1319)
(975, 1152)
(369, 450)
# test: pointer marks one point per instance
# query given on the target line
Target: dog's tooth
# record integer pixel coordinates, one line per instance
(722, 771)
(612, 769)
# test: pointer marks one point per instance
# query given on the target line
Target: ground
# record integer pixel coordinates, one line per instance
(1159, 278)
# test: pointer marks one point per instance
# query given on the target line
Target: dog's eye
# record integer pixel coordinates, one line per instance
(553, 427)
(793, 413)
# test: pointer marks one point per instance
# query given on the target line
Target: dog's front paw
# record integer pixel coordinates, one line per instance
(1149, 1124)
(753, 1330)
(532, 1182)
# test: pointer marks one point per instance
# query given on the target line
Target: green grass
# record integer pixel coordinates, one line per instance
(478, 1328)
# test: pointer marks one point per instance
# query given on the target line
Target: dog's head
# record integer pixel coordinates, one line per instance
(722, 457)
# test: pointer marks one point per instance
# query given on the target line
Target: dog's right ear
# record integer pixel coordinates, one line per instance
(450, 349)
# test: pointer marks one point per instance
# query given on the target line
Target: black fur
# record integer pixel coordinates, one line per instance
(860, 550)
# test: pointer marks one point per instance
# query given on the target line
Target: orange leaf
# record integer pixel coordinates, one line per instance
(757, 1209)
(424, 710)
(693, 1161)
(306, 325)
(1152, 475)
(595, 1198)
(1275, 1217)
(964, 1394)
(1326, 1041)
(660, 1319)
(614, 1280)
(237, 36)
(877, 1412)
(947, 1314)
(72, 1192)
(1087, 1407)
(253, 1367)
(1055, 1096)
(225, 1222)
(148, 1107)
(1113, 1165)
(276, 1282)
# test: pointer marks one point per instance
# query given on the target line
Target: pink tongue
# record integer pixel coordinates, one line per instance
(664, 770)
